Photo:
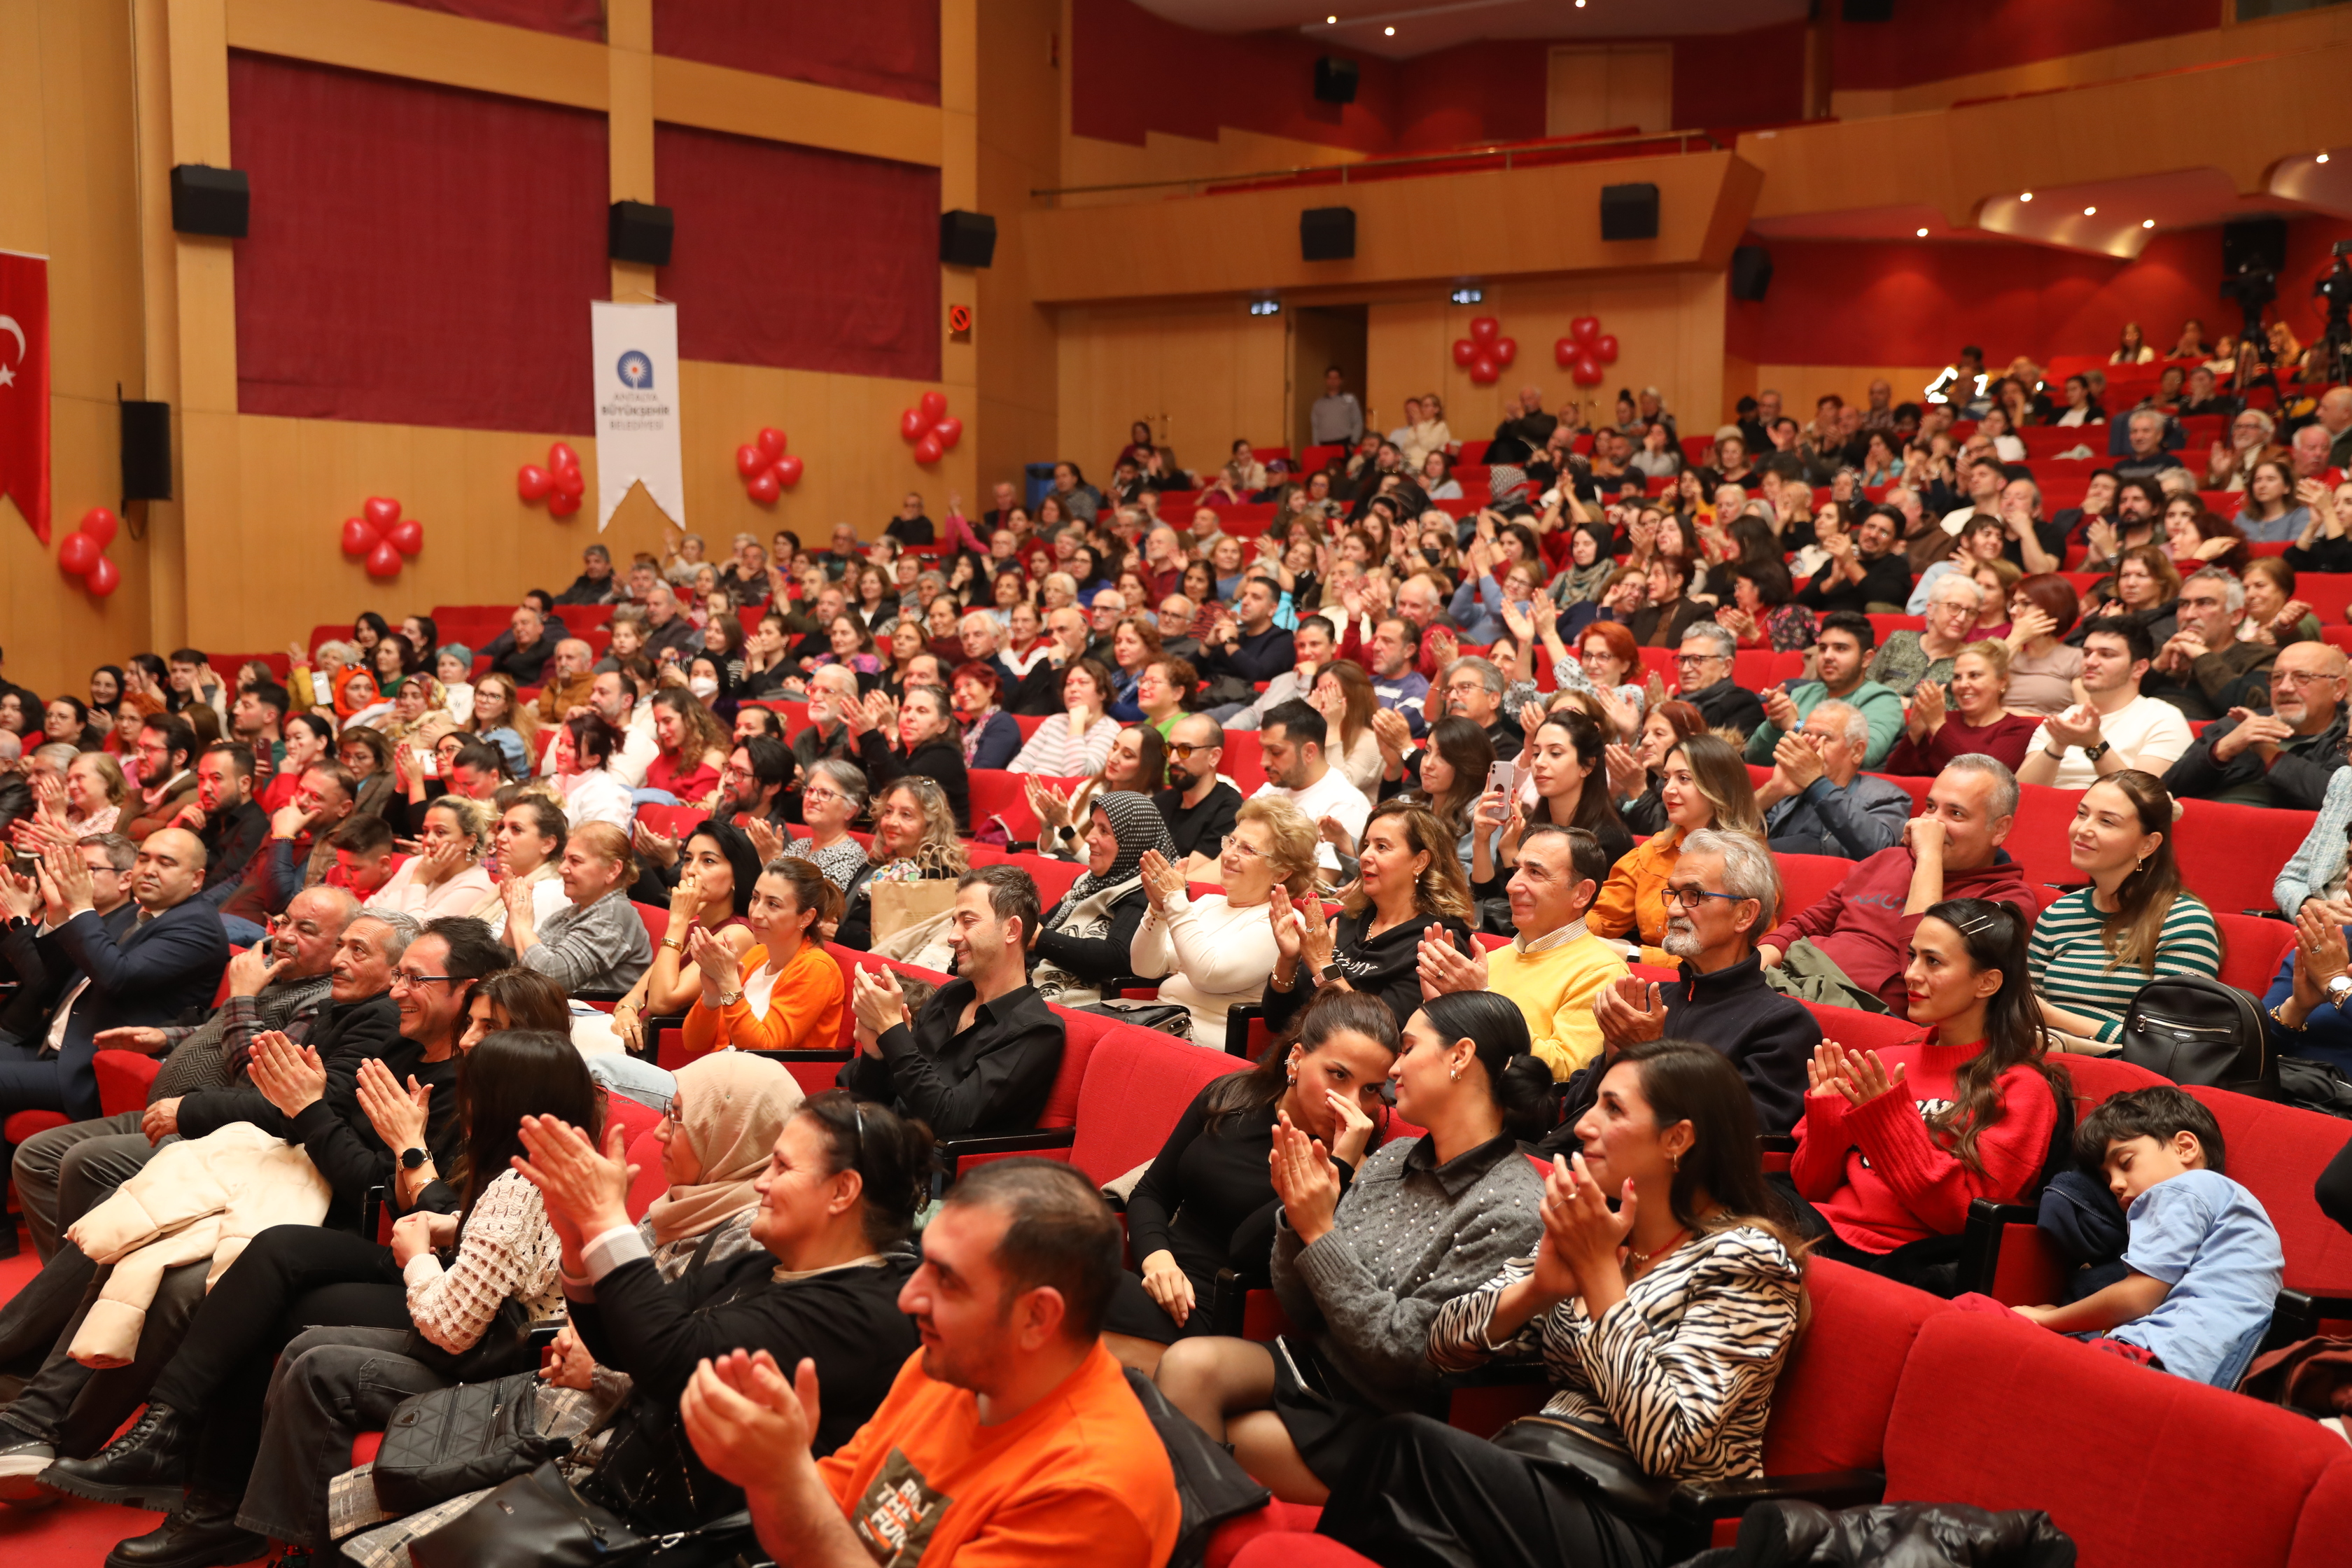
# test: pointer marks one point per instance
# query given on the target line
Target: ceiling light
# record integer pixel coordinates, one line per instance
(2090, 212)
(2322, 158)
(1332, 21)
(2025, 195)
(1388, 32)
(2147, 223)
(1579, 5)
(1923, 234)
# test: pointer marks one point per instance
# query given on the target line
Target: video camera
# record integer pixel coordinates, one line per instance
(2254, 289)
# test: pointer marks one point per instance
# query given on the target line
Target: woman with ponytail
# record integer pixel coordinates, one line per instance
(1664, 1327)
(2092, 950)
(1362, 1271)
(1894, 1146)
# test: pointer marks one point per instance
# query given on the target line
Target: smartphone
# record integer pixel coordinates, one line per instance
(428, 762)
(1504, 776)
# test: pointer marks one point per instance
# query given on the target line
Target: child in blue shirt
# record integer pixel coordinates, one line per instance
(2204, 1259)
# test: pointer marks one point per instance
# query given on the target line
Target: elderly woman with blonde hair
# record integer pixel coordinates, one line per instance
(1217, 951)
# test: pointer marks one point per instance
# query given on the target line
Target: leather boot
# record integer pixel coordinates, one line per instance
(147, 1466)
(201, 1532)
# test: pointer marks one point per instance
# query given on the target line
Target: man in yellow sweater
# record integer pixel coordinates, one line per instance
(1553, 968)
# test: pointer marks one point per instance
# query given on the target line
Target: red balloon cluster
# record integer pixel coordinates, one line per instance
(932, 428)
(382, 536)
(83, 553)
(559, 484)
(1585, 351)
(1485, 351)
(767, 472)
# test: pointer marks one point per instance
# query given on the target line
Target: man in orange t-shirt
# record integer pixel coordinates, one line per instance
(1010, 1440)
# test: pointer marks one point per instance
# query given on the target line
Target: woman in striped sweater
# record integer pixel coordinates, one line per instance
(2092, 950)
(1664, 1327)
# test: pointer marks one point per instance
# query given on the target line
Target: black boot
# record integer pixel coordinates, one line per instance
(147, 1466)
(200, 1532)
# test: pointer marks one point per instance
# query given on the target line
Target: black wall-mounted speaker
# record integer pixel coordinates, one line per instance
(2261, 241)
(1335, 80)
(1629, 212)
(1751, 272)
(640, 232)
(967, 239)
(1327, 234)
(205, 200)
(1869, 10)
(146, 451)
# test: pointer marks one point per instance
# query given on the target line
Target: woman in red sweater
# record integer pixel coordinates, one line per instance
(1974, 720)
(1894, 1145)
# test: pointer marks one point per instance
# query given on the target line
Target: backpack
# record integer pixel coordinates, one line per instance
(2196, 1030)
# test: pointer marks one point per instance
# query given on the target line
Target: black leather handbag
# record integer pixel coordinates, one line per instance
(541, 1521)
(2196, 1030)
(1630, 1492)
(454, 1440)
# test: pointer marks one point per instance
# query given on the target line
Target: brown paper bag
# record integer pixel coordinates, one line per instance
(900, 905)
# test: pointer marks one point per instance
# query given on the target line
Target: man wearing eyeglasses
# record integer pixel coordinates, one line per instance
(1474, 689)
(1703, 666)
(1198, 806)
(1718, 895)
(2202, 669)
(2284, 757)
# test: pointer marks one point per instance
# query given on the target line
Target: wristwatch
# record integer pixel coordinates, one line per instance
(2093, 753)
(412, 1159)
(2339, 989)
(1331, 972)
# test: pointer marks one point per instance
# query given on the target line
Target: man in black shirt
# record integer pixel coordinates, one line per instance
(1703, 666)
(982, 1054)
(223, 815)
(594, 585)
(1198, 806)
(911, 526)
(2146, 457)
(1255, 649)
(1863, 568)
(526, 656)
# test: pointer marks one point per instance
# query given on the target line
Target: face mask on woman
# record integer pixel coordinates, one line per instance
(704, 687)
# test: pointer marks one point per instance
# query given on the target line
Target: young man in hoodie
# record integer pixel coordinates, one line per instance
(1849, 948)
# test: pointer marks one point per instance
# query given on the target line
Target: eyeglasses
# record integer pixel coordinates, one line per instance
(2299, 678)
(1235, 841)
(1685, 660)
(1181, 751)
(1688, 898)
(402, 980)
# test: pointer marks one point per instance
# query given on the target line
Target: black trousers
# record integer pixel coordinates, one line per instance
(1421, 1494)
(77, 1409)
(291, 1277)
(331, 1384)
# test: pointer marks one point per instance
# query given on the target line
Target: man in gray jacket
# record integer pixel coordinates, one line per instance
(1819, 801)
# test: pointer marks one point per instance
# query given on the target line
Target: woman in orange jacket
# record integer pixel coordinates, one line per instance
(1702, 784)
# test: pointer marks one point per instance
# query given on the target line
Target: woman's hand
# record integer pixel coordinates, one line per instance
(1587, 1235)
(629, 1024)
(686, 899)
(443, 861)
(1738, 622)
(2291, 615)
(1162, 883)
(568, 1363)
(659, 848)
(1355, 1132)
(1305, 1180)
(1316, 946)
(1288, 923)
(767, 843)
(399, 1116)
(1627, 777)
(1048, 805)
(1926, 715)
(717, 963)
(1168, 1286)
(1334, 832)
(1555, 1276)
(412, 1237)
(1392, 732)
(880, 1005)
(589, 1190)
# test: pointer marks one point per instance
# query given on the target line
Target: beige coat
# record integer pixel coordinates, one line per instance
(197, 1199)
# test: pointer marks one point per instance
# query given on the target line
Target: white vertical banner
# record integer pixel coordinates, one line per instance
(635, 348)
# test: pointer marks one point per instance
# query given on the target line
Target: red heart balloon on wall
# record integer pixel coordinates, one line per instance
(104, 577)
(1505, 350)
(771, 442)
(383, 562)
(381, 511)
(1584, 329)
(532, 482)
(1484, 370)
(1563, 353)
(359, 536)
(561, 457)
(763, 486)
(561, 505)
(78, 553)
(1483, 329)
(949, 430)
(407, 536)
(99, 524)
(1587, 371)
(1465, 351)
(911, 426)
(787, 472)
(1604, 348)
(749, 459)
(569, 486)
(935, 406)
(927, 450)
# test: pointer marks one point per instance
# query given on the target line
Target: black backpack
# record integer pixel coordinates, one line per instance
(2195, 1030)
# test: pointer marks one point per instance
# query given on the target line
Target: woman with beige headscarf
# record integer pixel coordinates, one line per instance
(728, 1111)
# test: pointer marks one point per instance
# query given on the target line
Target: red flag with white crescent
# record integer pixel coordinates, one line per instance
(25, 387)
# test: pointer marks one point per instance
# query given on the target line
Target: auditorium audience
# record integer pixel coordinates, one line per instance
(1841, 650)
(2116, 727)
(1409, 880)
(2284, 757)
(1215, 953)
(1976, 718)
(1702, 784)
(1818, 801)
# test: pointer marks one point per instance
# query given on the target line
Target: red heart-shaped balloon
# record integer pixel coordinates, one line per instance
(749, 459)
(381, 511)
(104, 577)
(384, 561)
(99, 524)
(359, 536)
(1563, 353)
(1505, 350)
(561, 457)
(78, 554)
(927, 450)
(772, 441)
(1604, 348)
(1484, 329)
(569, 484)
(1584, 329)
(1587, 371)
(532, 482)
(935, 406)
(407, 536)
(788, 472)
(1484, 370)
(561, 505)
(949, 430)
(911, 425)
(763, 486)
(1465, 351)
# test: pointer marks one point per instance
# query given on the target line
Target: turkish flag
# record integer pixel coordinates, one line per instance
(25, 387)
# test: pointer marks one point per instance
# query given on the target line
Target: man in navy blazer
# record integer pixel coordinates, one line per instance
(43, 973)
(168, 963)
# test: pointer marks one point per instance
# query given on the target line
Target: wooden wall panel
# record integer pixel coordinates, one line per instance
(429, 46)
(1202, 375)
(1018, 140)
(1092, 161)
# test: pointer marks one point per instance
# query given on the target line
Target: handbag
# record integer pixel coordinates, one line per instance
(2196, 1030)
(1630, 1491)
(541, 1521)
(1169, 1018)
(901, 906)
(450, 1441)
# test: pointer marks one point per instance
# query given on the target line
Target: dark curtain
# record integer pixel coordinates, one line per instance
(887, 48)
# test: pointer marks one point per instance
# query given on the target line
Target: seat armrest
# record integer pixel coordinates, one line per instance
(1238, 1022)
(1228, 1298)
(953, 1150)
(371, 1212)
(2298, 1314)
(1131, 987)
(1980, 1241)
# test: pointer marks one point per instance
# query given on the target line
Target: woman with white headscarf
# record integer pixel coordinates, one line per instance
(1086, 938)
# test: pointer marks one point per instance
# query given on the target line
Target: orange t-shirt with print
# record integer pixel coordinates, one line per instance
(1079, 1478)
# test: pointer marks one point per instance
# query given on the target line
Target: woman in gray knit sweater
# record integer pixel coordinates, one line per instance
(1362, 1275)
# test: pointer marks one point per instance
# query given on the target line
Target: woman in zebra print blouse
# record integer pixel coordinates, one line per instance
(1664, 1327)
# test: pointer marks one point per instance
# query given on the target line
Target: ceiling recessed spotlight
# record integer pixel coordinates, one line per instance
(1388, 32)
(1923, 234)
(2147, 223)
(1579, 5)
(2321, 159)
(2090, 212)
(1330, 21)
(2025, 195)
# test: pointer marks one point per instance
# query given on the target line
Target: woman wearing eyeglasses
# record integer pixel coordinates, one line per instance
(831, 799)
(1217, 951)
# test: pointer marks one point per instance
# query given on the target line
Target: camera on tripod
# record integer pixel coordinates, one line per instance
(2254, 289)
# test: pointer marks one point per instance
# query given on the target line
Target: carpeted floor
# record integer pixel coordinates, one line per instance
(73, 1533)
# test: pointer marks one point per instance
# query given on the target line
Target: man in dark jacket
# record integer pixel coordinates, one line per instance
(225, 817)
(594, 585)
(1703, 665)
(1721, 1000)
(2284, 757)
(1864, 571)
(2204, 668)
(1248, 644)
(36, 959)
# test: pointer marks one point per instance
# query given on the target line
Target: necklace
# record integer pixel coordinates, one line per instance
(1642, 1259)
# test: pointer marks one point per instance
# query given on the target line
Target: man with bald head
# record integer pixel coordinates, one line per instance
(2284, 757)
(570, 674)
(168, 962)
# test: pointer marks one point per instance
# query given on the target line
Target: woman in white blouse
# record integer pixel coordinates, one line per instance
(585, 749)
(446, 876)
(1073, 745)
(1663, 1326)
(529, 835)
(1217, 952)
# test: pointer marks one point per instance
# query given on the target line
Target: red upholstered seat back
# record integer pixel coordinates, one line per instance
(656, 920)
(2096, 1077)
(2276, 1152)
(2037, 838)
(2251, 949)
(1807, 880)
(1053, 877)
(1137, 1086)
(2230, 854)
(1858, 1030)
(123, 1077)
(1082, 1033)
(1829, 1409)
(636, 1117)
(2327, 1525)
(645, 1155)
(2138, 1466)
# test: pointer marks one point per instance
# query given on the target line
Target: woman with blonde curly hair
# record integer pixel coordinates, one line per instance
(914, 839)
(1217, 951)
(1409, 879)
(446, 876)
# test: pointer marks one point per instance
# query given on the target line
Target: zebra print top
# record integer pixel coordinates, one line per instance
(1679, 1376)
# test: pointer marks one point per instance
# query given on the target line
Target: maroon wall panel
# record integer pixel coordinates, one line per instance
(888, 48)
(1931, 39)
(573, 19)
(418, 254)
(794, 256)
(1731, 81)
